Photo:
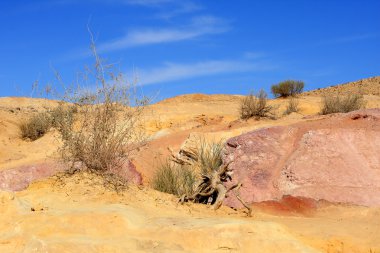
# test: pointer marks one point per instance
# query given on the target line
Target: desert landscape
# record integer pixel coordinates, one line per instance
(312, 181)
(189, 126)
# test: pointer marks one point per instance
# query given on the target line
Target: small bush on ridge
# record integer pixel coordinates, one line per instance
(343, 104)
(287, 88)
(256, 106)
(293, 106)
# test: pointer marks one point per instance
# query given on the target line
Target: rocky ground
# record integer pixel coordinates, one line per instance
(368, 86)
(315, 187)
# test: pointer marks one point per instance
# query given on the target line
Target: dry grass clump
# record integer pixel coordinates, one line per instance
(179, 174)
(36, 126)
(292, 106)
(341, 104)
(287, 88)
(174, 179)
(205, 158)
(40, 123)
(208, 156)
(256, 106)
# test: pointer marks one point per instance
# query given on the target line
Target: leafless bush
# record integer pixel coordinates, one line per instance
(293, 106)
(343, 104)
(36, 126)
(63, 116)
(107, 126)
(256, 106)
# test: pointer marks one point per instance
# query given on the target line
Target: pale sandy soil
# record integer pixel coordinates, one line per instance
(80, 216)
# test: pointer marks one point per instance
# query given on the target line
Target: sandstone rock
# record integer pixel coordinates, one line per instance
(334, 158)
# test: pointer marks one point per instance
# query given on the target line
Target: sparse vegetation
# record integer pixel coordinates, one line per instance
(208, 156)
(287, 88)
(174, 179)
(343, 104)
(63, 116)
(100, 126)
(292, 106)
(36, 126)
(179, 174)
(178, 177)
(256, 106)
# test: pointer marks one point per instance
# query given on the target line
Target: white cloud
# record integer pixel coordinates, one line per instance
(177, 71)
(199, 26)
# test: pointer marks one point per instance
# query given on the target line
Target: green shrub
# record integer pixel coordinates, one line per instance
(36, 126)
(343, 104)
(256, 106)
(292, 106)
(287, 88)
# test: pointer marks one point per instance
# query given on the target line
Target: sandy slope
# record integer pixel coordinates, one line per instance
(368, 86)
(81, 216)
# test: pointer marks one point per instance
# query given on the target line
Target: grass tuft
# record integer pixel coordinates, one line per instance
(36, 126)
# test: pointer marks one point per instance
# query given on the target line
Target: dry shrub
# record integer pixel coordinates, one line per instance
(256, 106)
(62, 118)
(287, 88)
(293, 106)
(36, 126)
(341, 104)
(105, 132)
(100, 124)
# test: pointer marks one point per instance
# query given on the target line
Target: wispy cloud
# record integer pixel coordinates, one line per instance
(168, 8)
(199, 26)
(178, 71)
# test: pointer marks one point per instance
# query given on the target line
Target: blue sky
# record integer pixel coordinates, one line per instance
(190, 46)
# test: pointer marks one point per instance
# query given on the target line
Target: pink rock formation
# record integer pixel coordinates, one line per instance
(129, 173)
(17, 179)
(334, 158)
